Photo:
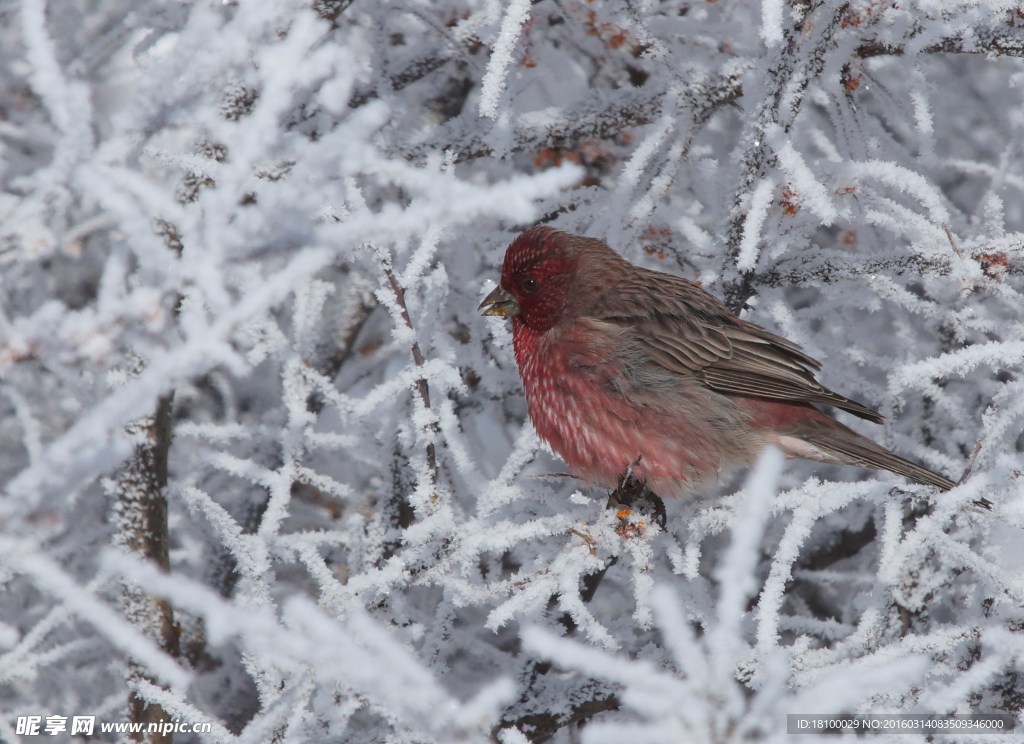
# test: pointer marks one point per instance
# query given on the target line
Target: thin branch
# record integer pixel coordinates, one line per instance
(974, 458)
(821, 268)
(540, 727)
(329, 10)
(1003, 40)
(416, 70)
(422, 388)
(827, 268)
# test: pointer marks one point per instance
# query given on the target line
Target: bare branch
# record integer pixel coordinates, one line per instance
(828, 267)
(1003, 40)
(329, 10)
(417, 357)
(141, 516)
(416, 70)
(540, 727)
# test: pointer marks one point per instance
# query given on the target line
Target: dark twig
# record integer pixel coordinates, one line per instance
(952, 241)
(1002, 40)
(981, 503)
(422, 388)
(408, 75)
(417, 357)
(329, 10)
(540, 727)
(140, 512)
(822, 267)
(827, 267)
(970, 465)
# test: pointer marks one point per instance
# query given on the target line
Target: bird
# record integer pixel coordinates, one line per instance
(632, 371)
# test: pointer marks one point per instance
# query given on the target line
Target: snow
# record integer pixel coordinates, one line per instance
(757, 212)
(493, 83)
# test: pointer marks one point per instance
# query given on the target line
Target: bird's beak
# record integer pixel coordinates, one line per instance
(500, 302)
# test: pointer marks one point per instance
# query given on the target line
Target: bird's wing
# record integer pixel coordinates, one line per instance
(685, 330)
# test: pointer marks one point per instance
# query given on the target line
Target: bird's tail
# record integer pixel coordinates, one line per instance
(844, 446)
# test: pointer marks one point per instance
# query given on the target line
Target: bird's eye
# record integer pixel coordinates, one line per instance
(529, 285)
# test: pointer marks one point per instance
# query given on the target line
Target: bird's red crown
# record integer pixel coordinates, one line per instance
(538, 269)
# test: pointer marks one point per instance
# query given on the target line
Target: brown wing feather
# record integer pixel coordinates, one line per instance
(850, 448)
(686, 330)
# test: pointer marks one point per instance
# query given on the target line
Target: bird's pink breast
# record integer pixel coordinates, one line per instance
(595, 429)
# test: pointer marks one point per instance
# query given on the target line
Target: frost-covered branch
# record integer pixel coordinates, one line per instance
(1002, 39)
(140, 516)
(598, 119)
(417, 356)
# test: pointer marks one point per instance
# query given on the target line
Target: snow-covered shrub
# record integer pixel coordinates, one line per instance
(265, 467)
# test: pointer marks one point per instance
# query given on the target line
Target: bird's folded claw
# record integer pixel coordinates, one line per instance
(633, 492)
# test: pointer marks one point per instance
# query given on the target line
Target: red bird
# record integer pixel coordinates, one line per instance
(620, 363)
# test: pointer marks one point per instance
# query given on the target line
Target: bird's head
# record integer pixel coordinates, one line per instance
(540, 277)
